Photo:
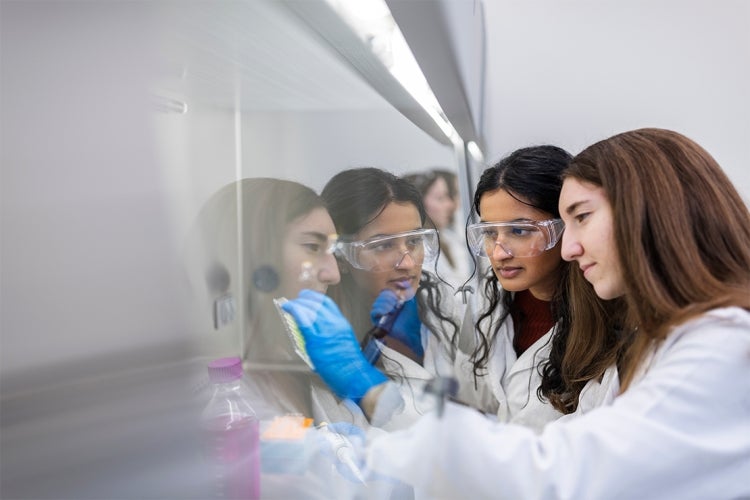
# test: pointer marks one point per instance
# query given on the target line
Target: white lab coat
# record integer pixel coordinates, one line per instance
(682, 430)
(508, 386)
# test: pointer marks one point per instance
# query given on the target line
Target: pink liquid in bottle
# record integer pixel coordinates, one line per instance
(232, 434)
(234, 452)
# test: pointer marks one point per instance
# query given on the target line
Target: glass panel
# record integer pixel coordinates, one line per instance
(265, 97)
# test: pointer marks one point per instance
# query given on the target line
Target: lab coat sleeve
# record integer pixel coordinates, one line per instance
(410, 379)
(682, 431)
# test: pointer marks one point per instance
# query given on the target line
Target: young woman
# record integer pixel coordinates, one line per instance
(287, 238)
(440, 198)
(653, 220)
(402, 315)
(522, 308)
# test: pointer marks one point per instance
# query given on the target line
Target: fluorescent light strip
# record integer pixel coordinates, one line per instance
(374, 24)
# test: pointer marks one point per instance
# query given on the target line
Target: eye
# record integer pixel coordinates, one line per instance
(581, 217)
(519, 231)
(378, 247)
(313, 247)
(414, 241)
(490, 234)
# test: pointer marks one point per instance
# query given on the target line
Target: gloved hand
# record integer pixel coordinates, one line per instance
(332, 346)
(401, 320)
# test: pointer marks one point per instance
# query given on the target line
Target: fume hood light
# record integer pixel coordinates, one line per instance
(475, 152)
(169, 105)
(374, 24)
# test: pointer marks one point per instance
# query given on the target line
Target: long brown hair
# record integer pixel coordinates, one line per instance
(681, 229)
(238, 242)
(588, 339)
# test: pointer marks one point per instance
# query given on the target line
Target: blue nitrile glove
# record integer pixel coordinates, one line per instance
(332, 346)
(401, 321)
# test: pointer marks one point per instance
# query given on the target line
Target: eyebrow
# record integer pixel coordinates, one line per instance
(519, 219)
(386, 235)
(315, 234)
(573, 207)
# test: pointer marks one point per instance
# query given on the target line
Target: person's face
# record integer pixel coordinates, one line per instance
(537, 274)
(589, 238)
(395, 218)
(438, 203)
(307, 263)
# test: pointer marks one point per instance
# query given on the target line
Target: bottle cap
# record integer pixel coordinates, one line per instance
(225, 369)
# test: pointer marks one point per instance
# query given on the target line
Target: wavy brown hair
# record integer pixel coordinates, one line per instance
(681, 229)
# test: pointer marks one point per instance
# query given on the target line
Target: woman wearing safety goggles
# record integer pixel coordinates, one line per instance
(521, 310)
(392, 306)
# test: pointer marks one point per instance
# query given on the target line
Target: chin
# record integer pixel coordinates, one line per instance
(606, 292)
(510, 286)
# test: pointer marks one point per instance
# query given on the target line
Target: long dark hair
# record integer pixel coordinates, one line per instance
(531, 175)
(354, 198)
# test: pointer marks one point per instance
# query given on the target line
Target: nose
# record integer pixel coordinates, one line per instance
(500, 253)
(570, 248)
(328, 272)
(406, 261)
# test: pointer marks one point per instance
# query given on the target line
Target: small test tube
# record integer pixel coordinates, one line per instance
(343, 450)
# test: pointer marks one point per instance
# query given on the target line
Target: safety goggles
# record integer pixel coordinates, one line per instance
(384, 253)
(519, 239)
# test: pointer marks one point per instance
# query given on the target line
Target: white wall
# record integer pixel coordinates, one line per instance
(88, 256)
(575, 72)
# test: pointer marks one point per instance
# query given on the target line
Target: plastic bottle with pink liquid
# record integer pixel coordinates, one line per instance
(232, 431)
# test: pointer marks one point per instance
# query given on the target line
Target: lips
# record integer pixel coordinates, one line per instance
(585, 269)
(405, 287)
(509, 272)
(402, 283)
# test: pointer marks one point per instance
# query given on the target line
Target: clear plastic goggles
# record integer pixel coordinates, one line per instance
(519, 239)
(384, 253)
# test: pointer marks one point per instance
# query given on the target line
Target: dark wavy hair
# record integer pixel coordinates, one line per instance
(533, 176)
(354, 198)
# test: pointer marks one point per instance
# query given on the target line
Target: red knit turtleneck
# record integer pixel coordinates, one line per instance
(534, 317)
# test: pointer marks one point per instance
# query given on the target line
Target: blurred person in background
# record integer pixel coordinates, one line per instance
(439, 191)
